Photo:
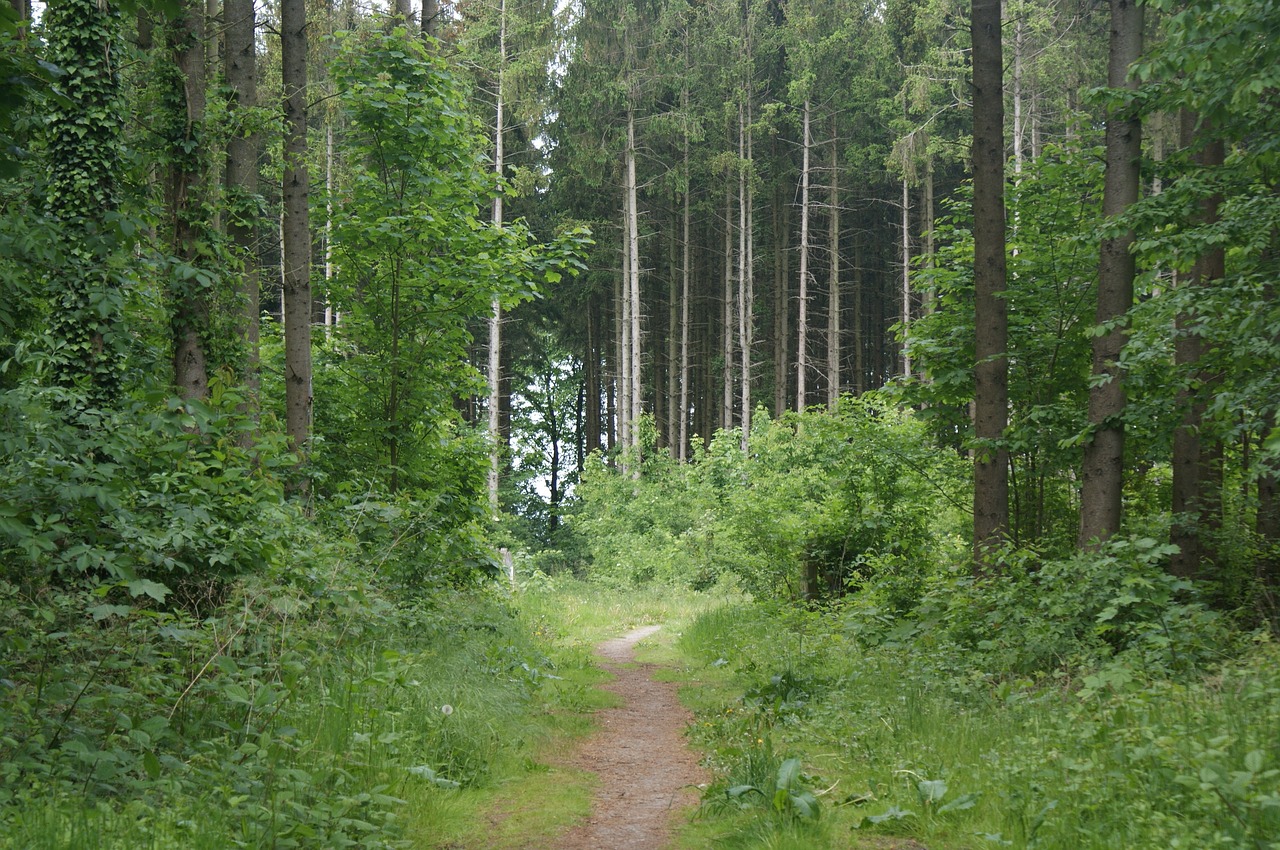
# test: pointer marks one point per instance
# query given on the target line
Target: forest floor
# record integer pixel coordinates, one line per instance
(647, 777)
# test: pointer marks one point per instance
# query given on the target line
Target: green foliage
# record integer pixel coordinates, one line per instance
(915, 736)
(417, 263)
(303, 712)
(1055, 211)
(159, 492)
(844, 495)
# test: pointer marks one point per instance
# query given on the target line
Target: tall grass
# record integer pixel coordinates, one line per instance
(905, 742)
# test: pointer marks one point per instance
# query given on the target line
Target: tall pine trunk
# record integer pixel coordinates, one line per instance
(726, 408)
(802, 330)
(833, 281)
(496, 447)
(991, 373)
(905, 280)
(1102, 476)
(685, 281)
(633, 266)
(744, 278)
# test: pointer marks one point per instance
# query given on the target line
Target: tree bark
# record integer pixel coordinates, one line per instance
(906, 275)
(633, 248)
(185, 182)
(431, 18)
(1102, 477)
(296, 226)
(685, 281)
(726, 402)
(744, 279)
(1197, 456)
(833, 281)
(240, 69)
(591, 378)
(496, 443)
(991, 390)
(802, 330)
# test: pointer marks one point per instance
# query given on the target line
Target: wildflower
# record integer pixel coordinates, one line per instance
(446, 709)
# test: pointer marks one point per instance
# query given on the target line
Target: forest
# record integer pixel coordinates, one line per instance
(914, 365)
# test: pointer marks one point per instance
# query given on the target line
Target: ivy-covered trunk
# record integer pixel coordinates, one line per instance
(84, 153)
(190, 287)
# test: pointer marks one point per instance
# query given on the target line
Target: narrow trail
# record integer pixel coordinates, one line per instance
(647, 774)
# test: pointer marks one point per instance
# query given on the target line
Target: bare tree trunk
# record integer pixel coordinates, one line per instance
(906, 275)
(496, 447)
(1019, 129)
(240, 69)
(685, 280)
(591, 377)
(1103, 471)
(624, 332)
(802, 331)
(930, 294)
(859, 343)
(613, 380)
(430, 18)
(726, 407)
(833, 281)
(673, 319)
(991, 395)
(744, 279)
(1197, 456)
(781, 306)
(633, 264)
(328, 226)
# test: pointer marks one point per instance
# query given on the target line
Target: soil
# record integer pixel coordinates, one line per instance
(648, 777)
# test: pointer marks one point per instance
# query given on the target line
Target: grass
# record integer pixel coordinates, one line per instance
(904, 745)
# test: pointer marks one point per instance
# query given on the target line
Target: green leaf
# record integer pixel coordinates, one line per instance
(142, 586)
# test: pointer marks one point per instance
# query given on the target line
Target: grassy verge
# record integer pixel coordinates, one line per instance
(289, 719)
(895, 744)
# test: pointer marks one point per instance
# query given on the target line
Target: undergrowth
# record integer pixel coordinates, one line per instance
(904, 736)
(299, 714)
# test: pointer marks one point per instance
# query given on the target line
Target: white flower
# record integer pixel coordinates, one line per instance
(446, 709)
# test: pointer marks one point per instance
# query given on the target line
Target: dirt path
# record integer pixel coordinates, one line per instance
(647, 774)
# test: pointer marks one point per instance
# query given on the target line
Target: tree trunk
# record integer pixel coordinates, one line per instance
(83, 132)
(633, 248)
(496, 443)
(1197, 456)
(781, 307)
(185, 183)
(906, 275)
(673, 342)
(744, 280)
(591, 377)
(685, 280)
(859, 339)
(431, 18)
(296, 226)
(240, 69)
(802, 331)
(991, 373)
(1018, 124)
(833, 281)
(624, 330)
(1103, 472)
(726, 402)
